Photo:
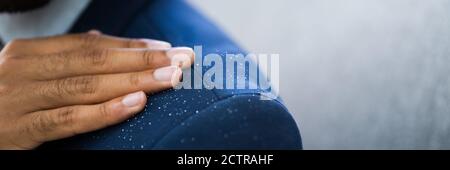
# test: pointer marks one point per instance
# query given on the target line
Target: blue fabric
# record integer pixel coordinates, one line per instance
(184, 119)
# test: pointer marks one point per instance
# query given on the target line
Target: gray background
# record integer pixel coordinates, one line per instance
(357, 74)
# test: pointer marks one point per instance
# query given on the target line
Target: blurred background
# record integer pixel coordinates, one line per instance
(356, 74)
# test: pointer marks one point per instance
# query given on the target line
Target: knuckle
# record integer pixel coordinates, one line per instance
(84, 85)
(103, 111)
(64, 116)
(97, 57)
(42, 124)
(88, 40)
(134, 79)
(53, 62)
(129, 43)
(148, 57)
(75, 86)
(106, 115)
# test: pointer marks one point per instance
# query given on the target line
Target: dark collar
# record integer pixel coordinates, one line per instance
(109, 16)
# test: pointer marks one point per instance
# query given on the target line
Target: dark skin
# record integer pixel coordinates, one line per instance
(56, 87)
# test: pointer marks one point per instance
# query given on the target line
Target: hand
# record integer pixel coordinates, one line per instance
(57, 87)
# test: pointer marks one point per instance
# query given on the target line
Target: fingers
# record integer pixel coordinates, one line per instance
(64, 122)
(105, 61)
(99, 88)
(60, 86)
(92, 40)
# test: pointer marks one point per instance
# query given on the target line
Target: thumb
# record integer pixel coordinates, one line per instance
(68, 121)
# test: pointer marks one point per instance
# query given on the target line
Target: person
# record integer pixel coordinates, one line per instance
(86, 89)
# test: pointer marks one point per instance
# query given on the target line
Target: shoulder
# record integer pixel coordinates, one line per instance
(241, 121)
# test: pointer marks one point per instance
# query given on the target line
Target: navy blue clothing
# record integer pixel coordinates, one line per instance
(185, 118)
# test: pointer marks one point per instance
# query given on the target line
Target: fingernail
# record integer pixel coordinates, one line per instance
(181, 56)
(170, 73)
(155, 44)
(94, 32)
(133, 99)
